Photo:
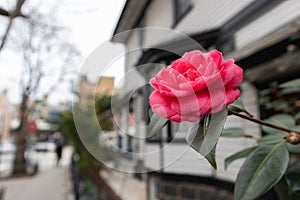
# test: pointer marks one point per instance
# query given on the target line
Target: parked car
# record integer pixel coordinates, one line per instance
(7, 147)
(44, 146)
(7, 157)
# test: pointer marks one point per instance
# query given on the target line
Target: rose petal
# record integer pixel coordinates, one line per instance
(232, 95)
(238, 77)
(216, 57)
(176, 118)
(196, 58)
(231, 74)
(161, 105)
(194, 105)
(181, 65)
(171, 83)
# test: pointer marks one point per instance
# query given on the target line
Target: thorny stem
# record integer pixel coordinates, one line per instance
(258, 121)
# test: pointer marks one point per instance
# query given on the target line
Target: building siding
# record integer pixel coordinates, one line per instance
(269, 22)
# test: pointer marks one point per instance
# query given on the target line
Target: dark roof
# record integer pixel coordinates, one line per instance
(131, 14)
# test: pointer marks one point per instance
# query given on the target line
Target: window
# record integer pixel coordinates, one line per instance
(181, 8)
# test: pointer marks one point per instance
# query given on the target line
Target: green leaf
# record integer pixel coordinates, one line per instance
(232, 132)
(294, 149)
(238, 106)
(263, 168)
(241, 154)
(297, 116)
(195, 135)
(286, 91)
(156, 124)
(293, 177)
(283, 120)
(265, 92)
(291, 84)
(204, 136)
(293, 181)
(270, 139)
(282, 190)
(211, 157)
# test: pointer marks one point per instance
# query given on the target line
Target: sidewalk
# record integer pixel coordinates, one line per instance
(48, 184)
(124, 185)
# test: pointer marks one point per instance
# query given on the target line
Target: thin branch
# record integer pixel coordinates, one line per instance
(61, 75)
(38, 68)
(258, 121)
(20, 4)
(17, 12)
(4, 12)
(5, 36)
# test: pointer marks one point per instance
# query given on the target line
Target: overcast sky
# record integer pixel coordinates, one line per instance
(91, 25)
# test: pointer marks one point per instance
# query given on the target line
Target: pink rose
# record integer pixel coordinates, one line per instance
(194, 85)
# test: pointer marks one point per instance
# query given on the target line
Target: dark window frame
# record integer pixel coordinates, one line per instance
(180, 14)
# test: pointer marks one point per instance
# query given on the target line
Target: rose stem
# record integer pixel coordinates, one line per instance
(262, 122)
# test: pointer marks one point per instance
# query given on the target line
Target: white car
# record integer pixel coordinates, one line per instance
(46, 146)
(7, 147)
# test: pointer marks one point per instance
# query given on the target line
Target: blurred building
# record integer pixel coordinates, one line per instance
(87, 90)
(39, 108)
(4, 116)
(41, 112)
(262, 36)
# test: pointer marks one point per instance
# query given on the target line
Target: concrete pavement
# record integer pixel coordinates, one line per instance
(51, 182)
(124, 185)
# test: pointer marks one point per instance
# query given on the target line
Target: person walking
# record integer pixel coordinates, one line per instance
(59, 141)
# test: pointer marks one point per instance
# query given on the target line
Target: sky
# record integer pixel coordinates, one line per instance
(90, 23)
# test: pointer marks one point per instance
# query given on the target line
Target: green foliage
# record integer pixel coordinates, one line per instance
(68, 128)
(211, 157)
(267, 164)
(103, 104)
(294, 149)
(264, 167)
(203, 137)
(241, 154)
(281, 98)
(293, 176)
(297, 116)
(270, 139)
(232, 132)
(291, 84)
(89, 188)
(283, 120)
(288, 188)
(238, 106)
(156, 125)
(103, 111)
(283, 192)
(86, 162)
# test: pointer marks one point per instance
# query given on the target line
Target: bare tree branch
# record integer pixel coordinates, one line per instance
(17, 12)
(44, 47)
(4, 12)
(20, 4)
(5, 36)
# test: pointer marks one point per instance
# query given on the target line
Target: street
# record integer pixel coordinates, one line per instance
(51, 181)
(45, 160)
